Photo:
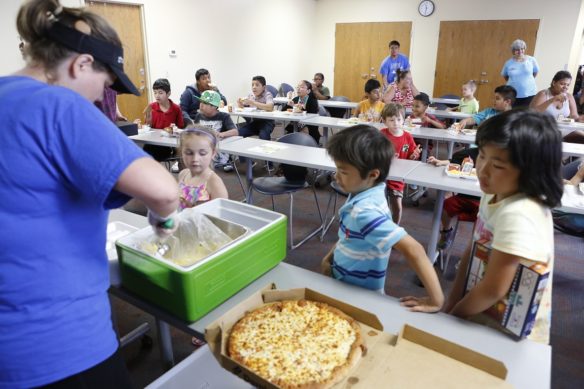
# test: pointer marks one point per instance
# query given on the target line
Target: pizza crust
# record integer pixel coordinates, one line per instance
(297, 344)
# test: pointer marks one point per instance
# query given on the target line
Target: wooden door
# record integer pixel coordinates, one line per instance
(127, 21)
(359, 50)
(477, 50)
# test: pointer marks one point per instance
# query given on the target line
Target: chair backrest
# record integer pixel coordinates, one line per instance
(285, 88)
(322, 111)
(340, 98)
(296, 174)
(272, 90)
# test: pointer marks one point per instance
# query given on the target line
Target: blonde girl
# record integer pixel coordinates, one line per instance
(198, 182)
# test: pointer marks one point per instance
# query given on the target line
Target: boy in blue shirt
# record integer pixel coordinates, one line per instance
(362, 155)
(504, 99)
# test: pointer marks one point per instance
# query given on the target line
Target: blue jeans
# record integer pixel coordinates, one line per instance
(262, 128)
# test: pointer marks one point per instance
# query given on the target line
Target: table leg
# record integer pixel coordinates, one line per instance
(435, 232)
(424, 155)
(249, 178)
(165, 341)
(450, 149)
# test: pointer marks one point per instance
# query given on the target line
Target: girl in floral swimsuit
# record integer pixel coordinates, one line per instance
(198, 182)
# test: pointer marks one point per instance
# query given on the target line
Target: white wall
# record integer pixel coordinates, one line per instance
(234, 39)
(288, 40)
(560, 26)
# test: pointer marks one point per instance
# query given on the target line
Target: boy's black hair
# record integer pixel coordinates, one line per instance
(507, 92)
(161, 83)
(363, 147)
(261, 79)
(393, 43)
(371, 85)
(200, 73)
(319, 75)
(535, 148)
(423, 98)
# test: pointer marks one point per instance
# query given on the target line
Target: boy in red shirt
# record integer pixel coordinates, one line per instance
(392, 116)
(160, 114)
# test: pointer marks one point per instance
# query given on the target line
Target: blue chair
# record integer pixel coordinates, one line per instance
(294, 180)
(339, 112)
(272, 90)
(285, 88)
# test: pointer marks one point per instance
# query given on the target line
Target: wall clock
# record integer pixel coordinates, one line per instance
(426, 8)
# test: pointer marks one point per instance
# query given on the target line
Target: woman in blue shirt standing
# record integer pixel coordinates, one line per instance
(63, 165)
(520, 72)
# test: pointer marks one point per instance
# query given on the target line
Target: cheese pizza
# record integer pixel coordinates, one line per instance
(297, 344)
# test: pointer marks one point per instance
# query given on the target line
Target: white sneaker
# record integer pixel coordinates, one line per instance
(228, 168)
(174, 168)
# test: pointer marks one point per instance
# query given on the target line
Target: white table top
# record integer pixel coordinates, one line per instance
(156, 137)
(311, 157)
(269, 115)
(573, 149)
(324, 103)
(434, 177)
(441, 100)
(444, 114)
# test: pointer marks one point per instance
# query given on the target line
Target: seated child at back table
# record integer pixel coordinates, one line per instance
(468, 103)
(363, 156)
(419, 108)
(370, 108)
(504, 100)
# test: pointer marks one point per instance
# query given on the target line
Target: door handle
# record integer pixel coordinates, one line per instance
(373, 76)
(364, 76)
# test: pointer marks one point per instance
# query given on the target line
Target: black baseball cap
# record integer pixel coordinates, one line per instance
(105, 52)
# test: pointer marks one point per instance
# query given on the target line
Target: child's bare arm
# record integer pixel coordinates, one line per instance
(228, 133)
(418, 260)
(437, 162)
(498, 278)
(578, 177)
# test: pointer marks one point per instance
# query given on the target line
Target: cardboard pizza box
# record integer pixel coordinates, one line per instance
(412, 359)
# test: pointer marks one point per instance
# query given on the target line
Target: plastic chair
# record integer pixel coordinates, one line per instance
(294, 180)
(444, 254)
(285, 88)
(334, 194)
(340, 98)
(272, 90)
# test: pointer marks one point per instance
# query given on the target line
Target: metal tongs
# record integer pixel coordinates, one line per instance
(162, 247)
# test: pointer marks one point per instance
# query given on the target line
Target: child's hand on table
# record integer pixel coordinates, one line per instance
(437, 162)
(420, 304)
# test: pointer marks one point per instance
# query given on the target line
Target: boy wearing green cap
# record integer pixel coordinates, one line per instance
(210, 117)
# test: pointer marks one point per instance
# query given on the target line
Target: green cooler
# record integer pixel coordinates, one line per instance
(191, 292)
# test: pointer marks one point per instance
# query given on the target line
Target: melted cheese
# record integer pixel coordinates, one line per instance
(300, 344)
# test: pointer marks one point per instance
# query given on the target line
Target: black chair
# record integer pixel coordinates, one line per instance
(334, 194)
(294, 180)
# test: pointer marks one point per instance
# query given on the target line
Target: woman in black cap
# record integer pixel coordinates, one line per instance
(63, 165)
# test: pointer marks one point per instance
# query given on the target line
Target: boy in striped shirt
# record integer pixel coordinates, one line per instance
(367, 232)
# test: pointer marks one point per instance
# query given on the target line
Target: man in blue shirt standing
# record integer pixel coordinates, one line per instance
(393, 62)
